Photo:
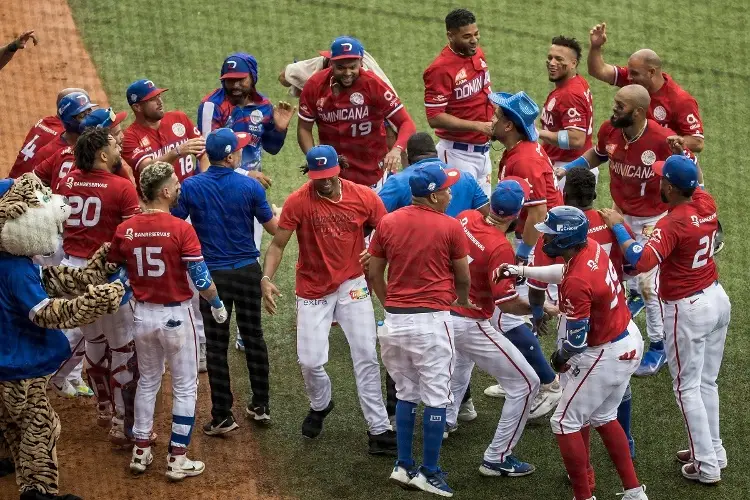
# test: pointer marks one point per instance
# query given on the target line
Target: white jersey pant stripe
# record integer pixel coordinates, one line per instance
(478, 342)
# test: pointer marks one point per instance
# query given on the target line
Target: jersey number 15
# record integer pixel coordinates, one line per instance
(154, 265)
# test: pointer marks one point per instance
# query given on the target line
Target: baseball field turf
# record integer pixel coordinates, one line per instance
(705, 45)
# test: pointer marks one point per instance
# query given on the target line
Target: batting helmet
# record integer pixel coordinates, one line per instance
(71, 106)
(568, 227)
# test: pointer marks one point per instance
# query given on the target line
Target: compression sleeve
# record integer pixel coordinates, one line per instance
(546, 274)
(198, 272)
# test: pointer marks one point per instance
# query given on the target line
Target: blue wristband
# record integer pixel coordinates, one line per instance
(523, 250)
(563, 141)
(578, 162)
(621, 233)
(216, 303)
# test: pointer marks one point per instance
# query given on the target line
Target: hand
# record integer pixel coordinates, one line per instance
(598, 35)
(611, 217)
(343, 162)
(270, 292)
(485, 128)
(506, 271)
(364, 260)
(467, 304)
(543, 325)
(220, 314)
(392, 160)
(24, 37)
(282, 115)
(560, 172)
(676, 144)
(275, 210)
(264, 180)
(559, 360)
(193, 146)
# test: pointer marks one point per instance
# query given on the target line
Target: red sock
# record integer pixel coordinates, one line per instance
(177, 450)
(617, 446)
(574, 457)
(586, 433)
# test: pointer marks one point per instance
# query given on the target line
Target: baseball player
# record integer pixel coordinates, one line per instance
(456, 86)
(696, 309)
(568, 113)
(426, 254)
(159, 251)
(100, 201)
(43, 131)
(601, 349)
(349, 106)
(329, 215)
(632, 143)
(477, 341)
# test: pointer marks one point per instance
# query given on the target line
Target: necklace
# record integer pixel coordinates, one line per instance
(151, 210)
(628, 142)
(341, 194)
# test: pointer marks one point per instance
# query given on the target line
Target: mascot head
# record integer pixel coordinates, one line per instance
(31, 218)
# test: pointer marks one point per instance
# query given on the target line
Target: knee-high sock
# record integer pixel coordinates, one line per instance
(406, 413)
(617, 447)
(575, 458)
(624, 413)
(433, 426)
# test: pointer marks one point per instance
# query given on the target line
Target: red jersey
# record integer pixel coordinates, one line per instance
(591, 289)
(54, 169)
(351, 120)
(528, 160)
(460, 86)
(44, 131)
(155, 248)
(570, 106)
(419, 245)
(671, 106)
(683, 244)
(141, 142)
(633, 184)
(99, 202)
(330, 235)
(488, 248)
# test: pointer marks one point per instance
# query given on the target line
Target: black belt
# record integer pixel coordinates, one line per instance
(411, 310)
(169, 304)
(701, 291)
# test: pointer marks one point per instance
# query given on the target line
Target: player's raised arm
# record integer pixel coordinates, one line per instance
(7, 52)
(595, 61)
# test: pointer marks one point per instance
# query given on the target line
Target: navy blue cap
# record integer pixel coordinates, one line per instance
(520, 109)
(679, 170)
(432, 177)
(222, 142)
(322, 162)
(239, 65)
(142, 90)
(346, 47)
(509, 196)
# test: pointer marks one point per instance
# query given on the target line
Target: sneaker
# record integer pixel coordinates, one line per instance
(432, 482)
(82, 388)
(239, 344)
(690, 471)
(180, 466)
(635, 303)
(260, 414)
(466, 412)
(202, 365)
(312, 426)
(142, 458)
(65, 390)
(449, 429)
(684, 457)
(401, 476)
(117, 434)
(651, 363)
(382, 444)
(638, 493)
(495, 391)
(510, 467)
(220, 426)
(546, 400)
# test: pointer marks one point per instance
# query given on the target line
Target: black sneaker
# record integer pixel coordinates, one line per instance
(313, 423)
(220, 426)
(259, 414)
(383, 444)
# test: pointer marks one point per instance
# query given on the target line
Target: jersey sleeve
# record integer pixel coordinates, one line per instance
(28, 292)
(621, 76)
(261, 208)
(533, 171)
(478, 198)
(116, 254)
(129, 204)
(504, 290)
(190, 246)
(209, 117)
(392, 196)
(664, 238)
(376, 246)
(688, 118)
(601, 139)
(132, 152)
(578, 297)
(45, 169)
(193, 132)
(290, 218)
(459, 244)
(308, 110)
(574, 112)
(438, 88)
(377, 209)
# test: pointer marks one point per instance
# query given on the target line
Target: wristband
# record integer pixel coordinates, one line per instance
(581, 161)
(266, 278)
(621, 233)
(523, 250)
(216, 302)
(563, 141)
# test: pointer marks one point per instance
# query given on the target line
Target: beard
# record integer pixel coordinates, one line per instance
(116, 166)
(623, 121)
(663, 197)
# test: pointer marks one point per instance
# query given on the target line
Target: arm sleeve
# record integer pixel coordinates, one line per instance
(308, 110)
(404, 124)
(688, 118)
(575, 112)
(28, 291)
(538, 259)
(505, 289)
(261, 208)
(438, 90)
(547, 274)
(621, 76)
(209, 117)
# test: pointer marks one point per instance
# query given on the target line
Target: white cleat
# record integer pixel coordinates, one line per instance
(142, 458)
(180, 466)
(466, 412)
(546, 400)
(638, 493)
(495, 391)
(65, 390)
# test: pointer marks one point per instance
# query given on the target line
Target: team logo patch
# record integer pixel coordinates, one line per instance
(461, 76)
(611, 148)
(178, 129)
(133, 97)
(592, 265)
(322, 161)
(551, 104)
(637, 248)
(256, 116)
(129, 234)
(321, 102)
(660, 113)
(69, 182)
(431, 186)
(359, 293)
(648, 157)
(357, 99)
(694, 220)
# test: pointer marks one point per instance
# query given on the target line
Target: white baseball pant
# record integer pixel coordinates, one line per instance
(195, 306)
(352, 306)
(418, 352)
(166, 333)
(561, 182)
(695, 329)
(477, 342)
(596, 381)
(476, 163)
(648, 283)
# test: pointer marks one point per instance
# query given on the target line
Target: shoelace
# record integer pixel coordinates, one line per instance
(513, 461)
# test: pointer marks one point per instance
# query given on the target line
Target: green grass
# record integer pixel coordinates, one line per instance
(181, 45)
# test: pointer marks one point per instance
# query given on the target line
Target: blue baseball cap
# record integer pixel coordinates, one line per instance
(509, 196)
(239, 65)
(346, 47)
(432, 177)
(520, 109)
(101, 118)
(142, 90)
(679, 170)
(322, 162)
(222, 142)
(71, 106)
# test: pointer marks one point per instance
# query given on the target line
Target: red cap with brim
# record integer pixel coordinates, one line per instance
(243, 139)
(234, 76)
(452, 176)
(658, 168)
(325, 53)
(324, 174)
(119, 117)
(151, 95)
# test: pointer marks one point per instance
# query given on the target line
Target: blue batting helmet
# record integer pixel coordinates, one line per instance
(71, 106)
(568, 227)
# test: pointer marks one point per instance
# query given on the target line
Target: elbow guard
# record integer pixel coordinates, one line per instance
(576, 335)
(633, 253)
(199, 274)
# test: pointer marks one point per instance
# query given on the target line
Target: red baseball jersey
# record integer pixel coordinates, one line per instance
(570, 106)
(330, 235)
(671, 106)
(99, 202)
(155, 248)
(460, 86)
(419, 245)
(488, 248)
(54, 169)
(683, 243)
(590, 288)
(633, 184)
(528, 160)
(142, 142)
(351, 120)
(44, 131)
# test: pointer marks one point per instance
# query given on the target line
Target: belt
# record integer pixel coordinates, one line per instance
(699, 292)
(168, 304)
(477, 148)
(620, 337)
(410, 310)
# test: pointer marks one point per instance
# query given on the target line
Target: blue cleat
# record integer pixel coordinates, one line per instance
(402, 476)
(510, 467)
(432, 482)
(652, 362)
(635, 303)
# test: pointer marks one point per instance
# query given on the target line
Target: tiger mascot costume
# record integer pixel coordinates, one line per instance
(35, 304)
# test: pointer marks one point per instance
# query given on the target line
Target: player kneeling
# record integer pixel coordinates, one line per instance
(159, 251)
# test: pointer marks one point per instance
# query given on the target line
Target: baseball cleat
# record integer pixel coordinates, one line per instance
(638, 493)
(546, 400)
(82, 389)
(117, 434)
(65, 390)
(219, 426)
(510, 467)
(382, 444)
(684, 457)
(432, 482)
(402, 476)
(652, 362)
(449, 429)
(690, 471)
(202, 364)
(466, 412)
(495, 391)
(142, 458)
(259, 414)
(312, 426)
(635, 303)
(180, 466)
